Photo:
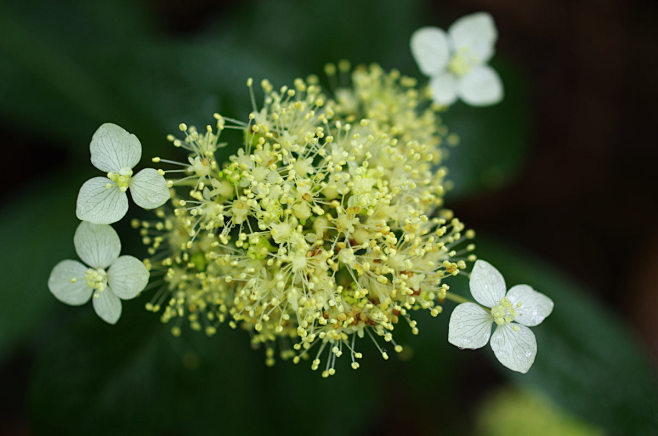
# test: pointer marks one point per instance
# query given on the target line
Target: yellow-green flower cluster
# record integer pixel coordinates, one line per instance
(326, 226)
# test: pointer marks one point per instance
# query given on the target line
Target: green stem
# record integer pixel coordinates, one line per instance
(456, 298)
(459, 299)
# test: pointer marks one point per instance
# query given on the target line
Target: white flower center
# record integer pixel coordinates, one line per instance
(461, 63)
(504, 313)
(122, 178)
(96, 279)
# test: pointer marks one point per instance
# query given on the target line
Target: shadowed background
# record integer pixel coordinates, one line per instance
(558, 180)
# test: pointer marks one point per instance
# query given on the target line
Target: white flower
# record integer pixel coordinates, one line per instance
(457, 62)
(73, 283)
(512, 342)
(103, 200)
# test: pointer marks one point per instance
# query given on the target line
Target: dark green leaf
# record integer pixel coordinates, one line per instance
(36, 230)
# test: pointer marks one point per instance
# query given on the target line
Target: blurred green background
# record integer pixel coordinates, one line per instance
(559, 180)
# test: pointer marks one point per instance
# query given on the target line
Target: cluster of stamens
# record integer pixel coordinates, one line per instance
(121, 178)
(504, 312)
(96, 279)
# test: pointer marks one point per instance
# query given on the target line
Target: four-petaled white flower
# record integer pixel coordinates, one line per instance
(512, 342)
(103, 200)
(73, 283)
(456, 62)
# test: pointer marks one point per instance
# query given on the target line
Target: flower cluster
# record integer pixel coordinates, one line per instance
(326, 226)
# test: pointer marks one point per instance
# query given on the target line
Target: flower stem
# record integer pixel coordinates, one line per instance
(456, 298)
(459, 299)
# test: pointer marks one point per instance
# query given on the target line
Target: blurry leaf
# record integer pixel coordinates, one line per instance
(36, 230)
(135, 378)
(45, 74)
(109, 63)
(315, 32)
(493, 140)
(511, 412)
(103, 377)
(72, 78)
(587, 361)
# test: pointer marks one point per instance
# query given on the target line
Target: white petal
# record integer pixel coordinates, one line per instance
(149, 189)
(107, 305)
(470, 326)
(96, 244)
(112, 148)
(99, 204)
(481, 86)
(487, 284)
(444, 89)
(429, 47)
(67, 283)
(127, 277)
(515, 346)
(475, 35)
(535, 306)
